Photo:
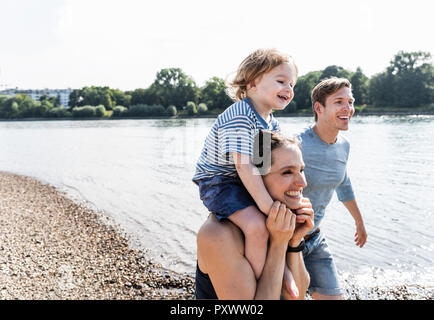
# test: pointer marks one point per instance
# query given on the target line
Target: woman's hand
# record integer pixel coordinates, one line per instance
(280, 223)
(305, 222)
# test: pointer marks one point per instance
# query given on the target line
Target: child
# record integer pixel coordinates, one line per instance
(264, 82)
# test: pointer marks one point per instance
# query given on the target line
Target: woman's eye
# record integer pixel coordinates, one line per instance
(287, 172)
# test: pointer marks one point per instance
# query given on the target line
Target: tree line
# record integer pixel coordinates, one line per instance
(407, 82)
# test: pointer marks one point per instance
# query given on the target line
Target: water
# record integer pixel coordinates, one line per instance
(139, 172)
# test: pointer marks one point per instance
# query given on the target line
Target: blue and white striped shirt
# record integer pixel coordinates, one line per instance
(233, 131)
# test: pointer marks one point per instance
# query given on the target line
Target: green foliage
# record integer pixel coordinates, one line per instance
(95, 96)
(144, 96)
(335, 71)
(59, 112)
(303, 89)
(84, 112)
(173, 87)
(171, 111)
(214, 94)
(142, 110)
(202, 108)
(359, 82)
(191, 108)
(100, 111)
(407, 82)
(119, 111)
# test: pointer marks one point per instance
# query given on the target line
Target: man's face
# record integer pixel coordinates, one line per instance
(338, 109)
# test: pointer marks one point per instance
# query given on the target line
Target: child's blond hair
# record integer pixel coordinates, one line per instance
(255, 65)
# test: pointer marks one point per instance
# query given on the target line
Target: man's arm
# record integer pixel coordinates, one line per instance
(361, 235)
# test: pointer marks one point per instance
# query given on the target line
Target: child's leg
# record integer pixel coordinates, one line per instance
(252, 222)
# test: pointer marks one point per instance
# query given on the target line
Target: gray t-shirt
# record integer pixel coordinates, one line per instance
(325, 170)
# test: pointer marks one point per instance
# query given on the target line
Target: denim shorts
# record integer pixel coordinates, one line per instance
(321, 267)
(224, 196)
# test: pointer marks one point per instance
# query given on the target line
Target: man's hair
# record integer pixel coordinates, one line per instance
(265, 143)
(255, 65)
(325, 88)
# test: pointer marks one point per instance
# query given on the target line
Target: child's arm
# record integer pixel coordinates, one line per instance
(252, 180)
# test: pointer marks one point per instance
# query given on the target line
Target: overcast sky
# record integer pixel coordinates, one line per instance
(124, 43)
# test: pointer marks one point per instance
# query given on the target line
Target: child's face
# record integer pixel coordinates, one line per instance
(286, 180)
(274, 89)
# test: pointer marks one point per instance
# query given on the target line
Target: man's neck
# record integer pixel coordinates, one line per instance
(326, 134)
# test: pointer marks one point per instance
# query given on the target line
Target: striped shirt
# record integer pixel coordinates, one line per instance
(233, 131)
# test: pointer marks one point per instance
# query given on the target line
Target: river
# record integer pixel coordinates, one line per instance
(139, 173)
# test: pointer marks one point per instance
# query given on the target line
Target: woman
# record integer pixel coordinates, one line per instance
(223, 272)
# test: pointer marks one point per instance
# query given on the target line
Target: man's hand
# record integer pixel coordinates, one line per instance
(360, 236)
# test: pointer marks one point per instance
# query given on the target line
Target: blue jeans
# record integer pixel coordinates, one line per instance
(223, 196)
(321, 267)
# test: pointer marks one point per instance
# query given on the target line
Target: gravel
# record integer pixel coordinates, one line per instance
(53, 248)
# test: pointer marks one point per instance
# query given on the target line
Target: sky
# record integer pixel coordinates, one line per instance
(123, 44)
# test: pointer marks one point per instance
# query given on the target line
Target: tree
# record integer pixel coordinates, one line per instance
(303, 89)
(359, 82)
(171, 111)
(202, 108)
(191, 108)
(407, 81)
(174, 87)
(144, 96)
(214, 94)
(335, 71)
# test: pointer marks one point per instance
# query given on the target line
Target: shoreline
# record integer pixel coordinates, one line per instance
(212, 116)
(52, 248)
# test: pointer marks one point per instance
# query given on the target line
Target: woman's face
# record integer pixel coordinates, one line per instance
(286, 180)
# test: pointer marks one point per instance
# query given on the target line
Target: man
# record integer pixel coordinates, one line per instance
(325, 153)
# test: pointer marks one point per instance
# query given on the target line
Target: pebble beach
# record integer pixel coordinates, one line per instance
(52, 248)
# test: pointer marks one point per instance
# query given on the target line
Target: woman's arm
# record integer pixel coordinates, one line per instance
(294, 260)
(221, 255)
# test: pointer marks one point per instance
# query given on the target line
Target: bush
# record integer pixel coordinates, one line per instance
(202, 108)
(59, 112)
(142, 110)
(100, 111)
(171, 111)
(83, 112)
(119, 111)
(191, 108)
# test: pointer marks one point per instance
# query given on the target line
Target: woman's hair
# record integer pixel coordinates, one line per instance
(265, 143)
(326, 88)
(255, 65)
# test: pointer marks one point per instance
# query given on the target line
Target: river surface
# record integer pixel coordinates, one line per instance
(139, 173)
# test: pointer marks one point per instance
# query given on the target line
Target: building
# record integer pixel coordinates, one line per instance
(36, 94)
